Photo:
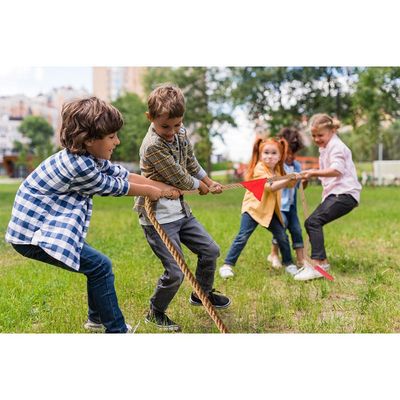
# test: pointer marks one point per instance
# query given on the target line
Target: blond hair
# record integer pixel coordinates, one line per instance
(166, 99)
(323, 121)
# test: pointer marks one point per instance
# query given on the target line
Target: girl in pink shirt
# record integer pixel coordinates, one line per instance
(341, 189)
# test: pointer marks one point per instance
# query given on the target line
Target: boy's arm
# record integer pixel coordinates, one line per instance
(213, 186)
(115, 170)
(90, 180)
(141, 180)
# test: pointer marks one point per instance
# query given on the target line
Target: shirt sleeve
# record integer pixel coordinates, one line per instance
(165, 165)
(337, 160)
(89, 179)
(115, 170)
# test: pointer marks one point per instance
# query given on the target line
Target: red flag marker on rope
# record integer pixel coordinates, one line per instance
(255, 186)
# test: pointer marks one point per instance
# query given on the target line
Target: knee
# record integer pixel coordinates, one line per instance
(310, 222)
(103, 268)
(175, 277)
(212, 251)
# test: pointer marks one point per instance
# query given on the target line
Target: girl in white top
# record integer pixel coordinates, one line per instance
(341, 189)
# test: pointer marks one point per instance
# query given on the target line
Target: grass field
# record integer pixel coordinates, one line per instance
(363, 248)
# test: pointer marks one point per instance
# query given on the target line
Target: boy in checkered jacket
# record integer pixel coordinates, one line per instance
(166, 155)
(53, 205)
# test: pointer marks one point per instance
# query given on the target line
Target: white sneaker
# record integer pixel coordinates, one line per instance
(325, 267)
(226, 272)
(306, 273)
(291, 269)
(274, 260)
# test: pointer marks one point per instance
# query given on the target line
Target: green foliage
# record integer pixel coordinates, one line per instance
(376, 100)
(41, 133)
(362, 247)
(135, 127)
(284, 95)
(203, 119)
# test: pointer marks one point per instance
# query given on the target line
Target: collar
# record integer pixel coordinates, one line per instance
(331, 143)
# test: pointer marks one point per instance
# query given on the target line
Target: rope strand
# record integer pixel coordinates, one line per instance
(184, 268)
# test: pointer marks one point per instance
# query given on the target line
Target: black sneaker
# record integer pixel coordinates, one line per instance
(162, 321)
(217, 300)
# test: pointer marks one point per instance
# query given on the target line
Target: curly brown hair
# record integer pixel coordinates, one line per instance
(86, 119)
(166, 99)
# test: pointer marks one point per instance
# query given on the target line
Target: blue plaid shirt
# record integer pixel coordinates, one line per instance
(53, 205)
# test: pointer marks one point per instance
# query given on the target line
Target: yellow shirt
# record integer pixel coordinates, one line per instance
(262, 211)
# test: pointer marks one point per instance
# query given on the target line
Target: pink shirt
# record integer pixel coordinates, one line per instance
(338, 156)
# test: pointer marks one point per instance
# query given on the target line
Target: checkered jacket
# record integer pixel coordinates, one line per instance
(173, 163)
(53, 205)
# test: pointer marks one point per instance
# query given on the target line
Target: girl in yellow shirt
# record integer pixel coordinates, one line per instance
(267, 161)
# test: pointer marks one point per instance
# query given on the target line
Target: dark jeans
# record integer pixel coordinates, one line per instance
(333, 207)
(102, 298)
(193, 235)
(292, 224)
(247, 227)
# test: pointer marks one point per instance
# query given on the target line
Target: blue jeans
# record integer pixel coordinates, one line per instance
(192, 234)
(102, 298)
(292, 223)
(247, 227)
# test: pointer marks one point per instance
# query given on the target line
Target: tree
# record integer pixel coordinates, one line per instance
(283, 96)
(376, 103)
(40, 133)
(202, 117)
(135, 127)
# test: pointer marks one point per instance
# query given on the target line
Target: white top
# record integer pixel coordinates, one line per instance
(338, 156)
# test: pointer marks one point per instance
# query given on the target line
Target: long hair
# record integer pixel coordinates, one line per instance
(280, 144)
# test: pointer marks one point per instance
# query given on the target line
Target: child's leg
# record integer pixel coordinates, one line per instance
(294, 227)
(101, 291)
(169, 283)
(247, 227)
(279, 233)
(333, 207)
(102, 297)
(196, 238)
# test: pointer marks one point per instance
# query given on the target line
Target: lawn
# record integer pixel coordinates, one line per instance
(363, 249)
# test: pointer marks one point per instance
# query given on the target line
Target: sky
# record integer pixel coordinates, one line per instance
(34, 80)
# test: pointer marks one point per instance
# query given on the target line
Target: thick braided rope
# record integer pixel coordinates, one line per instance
(185, 269)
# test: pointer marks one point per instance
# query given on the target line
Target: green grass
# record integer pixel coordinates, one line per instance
(362, 247)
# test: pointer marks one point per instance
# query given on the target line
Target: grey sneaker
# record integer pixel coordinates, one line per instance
(93, 326)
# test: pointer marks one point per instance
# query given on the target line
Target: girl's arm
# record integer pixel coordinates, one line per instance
(278, 185)
(324, 173)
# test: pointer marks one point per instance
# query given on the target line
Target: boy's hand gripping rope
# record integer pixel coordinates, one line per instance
(185, 269)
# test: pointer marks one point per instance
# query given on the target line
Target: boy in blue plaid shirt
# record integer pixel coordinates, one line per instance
(53, 205)
(166, 155)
